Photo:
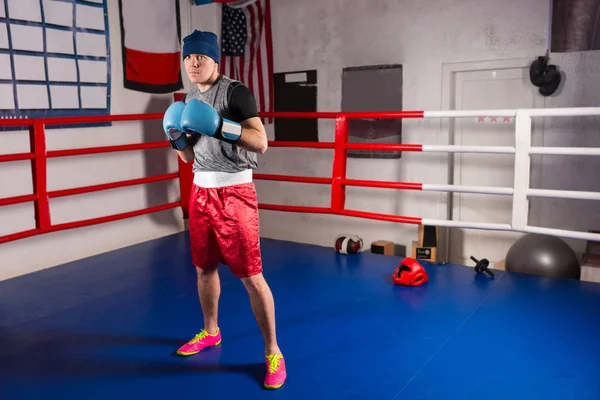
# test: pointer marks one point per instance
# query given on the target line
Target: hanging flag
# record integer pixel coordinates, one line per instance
(247, 48)
(202, 2)
(150, 41)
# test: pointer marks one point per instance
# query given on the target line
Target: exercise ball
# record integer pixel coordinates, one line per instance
(543, 255)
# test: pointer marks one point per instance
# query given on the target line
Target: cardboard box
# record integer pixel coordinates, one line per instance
(383, 247)
(423, 253)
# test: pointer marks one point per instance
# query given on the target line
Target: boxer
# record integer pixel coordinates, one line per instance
(217, 127)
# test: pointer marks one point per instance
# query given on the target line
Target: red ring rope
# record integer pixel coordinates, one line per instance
(338, 180)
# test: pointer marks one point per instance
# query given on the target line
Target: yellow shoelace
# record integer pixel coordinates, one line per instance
(273, 362)
(198, 337)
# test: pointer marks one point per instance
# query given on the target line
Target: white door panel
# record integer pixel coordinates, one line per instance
(486, 89)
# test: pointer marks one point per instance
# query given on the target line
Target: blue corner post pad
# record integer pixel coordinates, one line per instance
(201, 2)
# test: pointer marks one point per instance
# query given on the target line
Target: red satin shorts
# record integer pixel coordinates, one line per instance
(224, 228)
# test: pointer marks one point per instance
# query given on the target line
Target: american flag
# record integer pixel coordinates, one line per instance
(247, 48)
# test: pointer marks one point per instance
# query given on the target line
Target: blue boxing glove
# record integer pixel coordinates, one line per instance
(201, 117)
(172, 126)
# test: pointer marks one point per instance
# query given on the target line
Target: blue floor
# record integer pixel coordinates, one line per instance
(107, 327)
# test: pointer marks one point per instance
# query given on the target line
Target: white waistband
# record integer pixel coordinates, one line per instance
(212, 179)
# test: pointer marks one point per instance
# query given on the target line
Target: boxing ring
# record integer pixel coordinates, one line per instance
(346, 331)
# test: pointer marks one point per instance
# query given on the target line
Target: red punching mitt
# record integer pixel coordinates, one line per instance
(409, 273)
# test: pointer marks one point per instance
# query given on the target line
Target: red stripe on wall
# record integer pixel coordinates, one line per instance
(165, 67)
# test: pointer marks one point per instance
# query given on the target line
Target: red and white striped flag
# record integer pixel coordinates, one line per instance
(247, 48)
(151, 45)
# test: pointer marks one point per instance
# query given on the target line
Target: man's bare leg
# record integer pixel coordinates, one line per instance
(209, 291)
(263, 307)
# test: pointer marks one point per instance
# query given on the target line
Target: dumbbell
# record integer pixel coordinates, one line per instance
(482, 266)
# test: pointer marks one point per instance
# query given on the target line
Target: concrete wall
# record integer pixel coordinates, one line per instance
(581, 89)
(31, 254)
(326, 36)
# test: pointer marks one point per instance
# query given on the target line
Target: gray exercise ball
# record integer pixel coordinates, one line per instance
(543, 255)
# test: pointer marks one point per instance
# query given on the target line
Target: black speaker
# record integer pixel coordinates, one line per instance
(429, 236)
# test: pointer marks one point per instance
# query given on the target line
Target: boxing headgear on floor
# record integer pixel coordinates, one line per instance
(348, 244)
(409, 273)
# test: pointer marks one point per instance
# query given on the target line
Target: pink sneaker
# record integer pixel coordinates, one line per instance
(199, 342)
(276, 373)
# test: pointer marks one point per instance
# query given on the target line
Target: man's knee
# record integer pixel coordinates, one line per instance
(254, 282)
(206, 272)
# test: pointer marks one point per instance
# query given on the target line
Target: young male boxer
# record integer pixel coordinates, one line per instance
(217, 127)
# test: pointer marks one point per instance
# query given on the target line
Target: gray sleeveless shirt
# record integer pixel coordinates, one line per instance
(212, 154)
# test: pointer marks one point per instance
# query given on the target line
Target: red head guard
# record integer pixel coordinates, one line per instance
(410, 273)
